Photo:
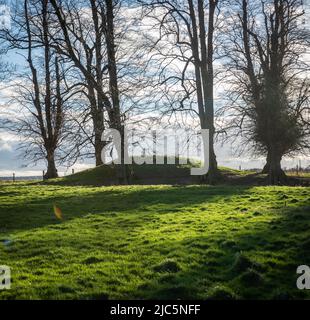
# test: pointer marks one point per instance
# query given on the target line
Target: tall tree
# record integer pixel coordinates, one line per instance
(190, 26)
(40, 93)
(100, 51)
(270, 79)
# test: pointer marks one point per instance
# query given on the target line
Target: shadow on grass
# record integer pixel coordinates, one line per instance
(242, 260)
(257, 263)
(37, 211)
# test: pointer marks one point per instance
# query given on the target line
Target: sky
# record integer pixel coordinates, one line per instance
(11, 160)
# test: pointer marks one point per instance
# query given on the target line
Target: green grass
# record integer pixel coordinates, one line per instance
(154, 241)
(230, 171)
(298, 174)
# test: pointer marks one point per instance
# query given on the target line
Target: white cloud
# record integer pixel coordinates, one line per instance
(4, 146)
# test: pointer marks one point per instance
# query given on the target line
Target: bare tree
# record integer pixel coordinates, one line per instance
(101, 48)
(87, 51)
(39, 97)
(189, 27)
(270, 88)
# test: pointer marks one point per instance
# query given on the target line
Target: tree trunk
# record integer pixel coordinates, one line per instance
(213, 174)
(123, 168)
(276, 175)
(115, 116)
(204, 79)
(267, 165)
(98, 123)
(99, 145)
(97, 115)
(51, 167)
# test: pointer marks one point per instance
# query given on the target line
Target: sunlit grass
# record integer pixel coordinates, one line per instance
(154, 241)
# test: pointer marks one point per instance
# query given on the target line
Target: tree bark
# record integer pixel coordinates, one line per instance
(51, 167)
(98, 124)
(275, 173)
(267, 165)
(208, 80)
(115, 116)
(99, 145)
(202, 48)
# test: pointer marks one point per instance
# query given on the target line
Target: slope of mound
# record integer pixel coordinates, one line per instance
(140, 174)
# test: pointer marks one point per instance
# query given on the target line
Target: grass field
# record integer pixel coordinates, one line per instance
(160, 242)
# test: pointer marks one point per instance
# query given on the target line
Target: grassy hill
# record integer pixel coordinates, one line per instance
(143, 242)
(142, 174)
(169, 174)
